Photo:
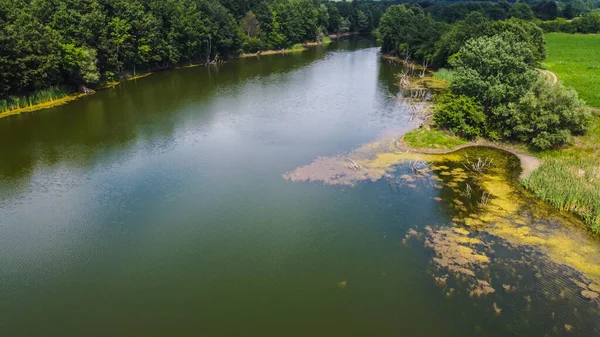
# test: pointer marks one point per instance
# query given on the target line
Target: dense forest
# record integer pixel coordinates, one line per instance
(53, 47)
(50, 43)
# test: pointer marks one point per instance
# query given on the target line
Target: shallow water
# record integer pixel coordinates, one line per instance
(160, 207)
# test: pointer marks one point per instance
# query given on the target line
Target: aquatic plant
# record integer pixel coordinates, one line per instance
(38, 97)
(479, 166)
(444, 74)
(297, 46)
(571, 185)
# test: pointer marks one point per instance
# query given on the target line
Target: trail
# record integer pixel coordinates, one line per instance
(549, 75)
(528, 162)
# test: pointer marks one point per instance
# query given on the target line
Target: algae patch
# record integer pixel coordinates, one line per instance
(479, 188)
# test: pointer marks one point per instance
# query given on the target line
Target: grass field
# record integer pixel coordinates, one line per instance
(569, 178)
(575, 59)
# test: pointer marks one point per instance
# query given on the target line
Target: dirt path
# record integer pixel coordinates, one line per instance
(528, 162)
(549, 75)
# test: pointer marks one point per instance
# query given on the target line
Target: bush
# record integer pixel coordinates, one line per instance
(460, 114)
(545, 117)
(251, 44)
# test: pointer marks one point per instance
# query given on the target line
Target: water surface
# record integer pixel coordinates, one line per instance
(159, 208)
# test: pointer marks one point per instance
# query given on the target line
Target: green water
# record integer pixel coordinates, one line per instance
(158, 208)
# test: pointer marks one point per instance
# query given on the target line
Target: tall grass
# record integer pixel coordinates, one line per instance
(444, 74)
(40, 96)
(297, 46)
(569, 184)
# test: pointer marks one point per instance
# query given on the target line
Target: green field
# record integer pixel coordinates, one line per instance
(575, 58)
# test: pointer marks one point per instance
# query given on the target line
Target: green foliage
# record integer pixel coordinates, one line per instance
(544, 117)
(432, 139)
(251, 44)
(41, 96)
(460, 114)
(476, 25)
(73, 42)
(409, 31)
(297, 46)
(444, 74)
(569, 184)
(589, 23)
(494, 70)
(574, 59)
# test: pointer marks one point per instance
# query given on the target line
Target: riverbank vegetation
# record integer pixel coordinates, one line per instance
(495, 92)
(73, 45)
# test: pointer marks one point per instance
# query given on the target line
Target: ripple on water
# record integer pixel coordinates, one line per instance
(484, 200)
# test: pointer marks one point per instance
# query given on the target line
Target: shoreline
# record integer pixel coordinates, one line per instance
(68, 98)
(528, 162)
(76, 95)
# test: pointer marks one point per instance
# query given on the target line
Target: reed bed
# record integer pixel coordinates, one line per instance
(570, 184)
(38, 97)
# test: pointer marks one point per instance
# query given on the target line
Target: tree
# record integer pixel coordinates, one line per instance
(545, 116)
(118, 41)
(462, 115)
(79, 65)
(494, 70)
(521, 10)
(407, 30)
(250, 25)
(546, 10)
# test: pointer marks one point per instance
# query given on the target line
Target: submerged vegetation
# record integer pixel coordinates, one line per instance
(479, 187)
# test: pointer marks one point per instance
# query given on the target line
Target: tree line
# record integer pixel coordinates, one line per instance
(495, 90)
(74, 43)
(588, 23)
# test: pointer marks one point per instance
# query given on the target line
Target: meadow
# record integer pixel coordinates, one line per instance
(574, 59)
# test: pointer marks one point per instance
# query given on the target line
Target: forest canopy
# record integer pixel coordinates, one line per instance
(52, 43)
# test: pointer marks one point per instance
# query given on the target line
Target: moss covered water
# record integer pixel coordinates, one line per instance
(249, 199)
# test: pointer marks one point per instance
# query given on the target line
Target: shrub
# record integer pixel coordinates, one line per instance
(251, 44)
(544, 117)
(460, 114)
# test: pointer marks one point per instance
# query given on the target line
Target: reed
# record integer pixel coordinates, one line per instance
(444, 74)
(37, 97)
(570, 184)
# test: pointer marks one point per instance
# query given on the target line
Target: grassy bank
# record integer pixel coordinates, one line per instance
(574, 59)
(56, 96)
(294, 49)
(51, 97)
(568, 178)
(426, 138)
(36, 98)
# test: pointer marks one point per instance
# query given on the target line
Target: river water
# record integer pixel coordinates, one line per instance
(159, 207)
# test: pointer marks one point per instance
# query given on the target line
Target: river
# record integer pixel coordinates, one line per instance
(159, 207)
